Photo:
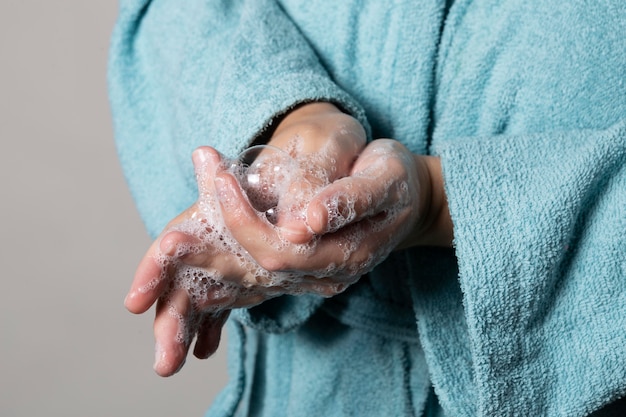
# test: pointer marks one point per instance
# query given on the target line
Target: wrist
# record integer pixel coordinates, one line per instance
(307, 116)
(305, 112)
(321, 128)
(434, 225)
(291, 117)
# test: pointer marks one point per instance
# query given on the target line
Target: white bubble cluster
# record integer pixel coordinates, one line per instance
(279, 187)
(265, 173)
(341, 211)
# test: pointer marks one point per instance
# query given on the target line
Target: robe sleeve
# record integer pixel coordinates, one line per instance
(531, 132)
(189, 73)
(186, 74)
(540, 238)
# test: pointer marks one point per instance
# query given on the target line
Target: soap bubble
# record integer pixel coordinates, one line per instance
(265, 174)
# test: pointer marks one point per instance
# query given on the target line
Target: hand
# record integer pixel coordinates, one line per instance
(380, 198)
(387, 201)
(400, 192)
(195, 271)
(326, 127)
(191, 301)
(324, 142)
(222, 254)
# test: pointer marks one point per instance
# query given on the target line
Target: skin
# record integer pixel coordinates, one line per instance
(374, 180)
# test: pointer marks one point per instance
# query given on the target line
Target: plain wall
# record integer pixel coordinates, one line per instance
(70, 237)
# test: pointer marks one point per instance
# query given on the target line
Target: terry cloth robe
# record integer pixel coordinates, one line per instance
(524, 101)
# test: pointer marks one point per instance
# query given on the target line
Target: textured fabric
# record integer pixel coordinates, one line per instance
(303, 374)
(181, 76)
(525, 103)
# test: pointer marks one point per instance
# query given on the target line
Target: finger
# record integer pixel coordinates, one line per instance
(156, 269)
(343, 202)
(205, 161)
(254, 233)
(273, 184)
(325, 289)
(209, 334)
(254, 298)
(216, 263)
(262, 240)
(215, 296)
(359, 246)
(364, 194)
(172, 332)
(149, 281)
(291, 212)
(222, 273)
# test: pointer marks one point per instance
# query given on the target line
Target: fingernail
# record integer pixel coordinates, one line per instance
(199, 157)
(129, 298)
(168, 245)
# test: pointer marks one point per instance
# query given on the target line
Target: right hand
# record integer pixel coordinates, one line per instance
(195, 277)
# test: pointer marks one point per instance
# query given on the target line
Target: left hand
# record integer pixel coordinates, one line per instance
(401, 193)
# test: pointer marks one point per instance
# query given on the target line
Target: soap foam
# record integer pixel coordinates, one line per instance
(266, 176)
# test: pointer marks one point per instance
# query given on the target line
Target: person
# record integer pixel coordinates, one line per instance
(471, 265)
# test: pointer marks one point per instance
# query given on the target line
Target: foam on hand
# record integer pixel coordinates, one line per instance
(278, 187)
(265, 174)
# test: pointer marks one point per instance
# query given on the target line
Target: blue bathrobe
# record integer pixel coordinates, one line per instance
(524, 101)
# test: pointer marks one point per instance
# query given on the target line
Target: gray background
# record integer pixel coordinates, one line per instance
(69, 235)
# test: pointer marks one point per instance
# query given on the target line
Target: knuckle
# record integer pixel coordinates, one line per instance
(273, 263)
